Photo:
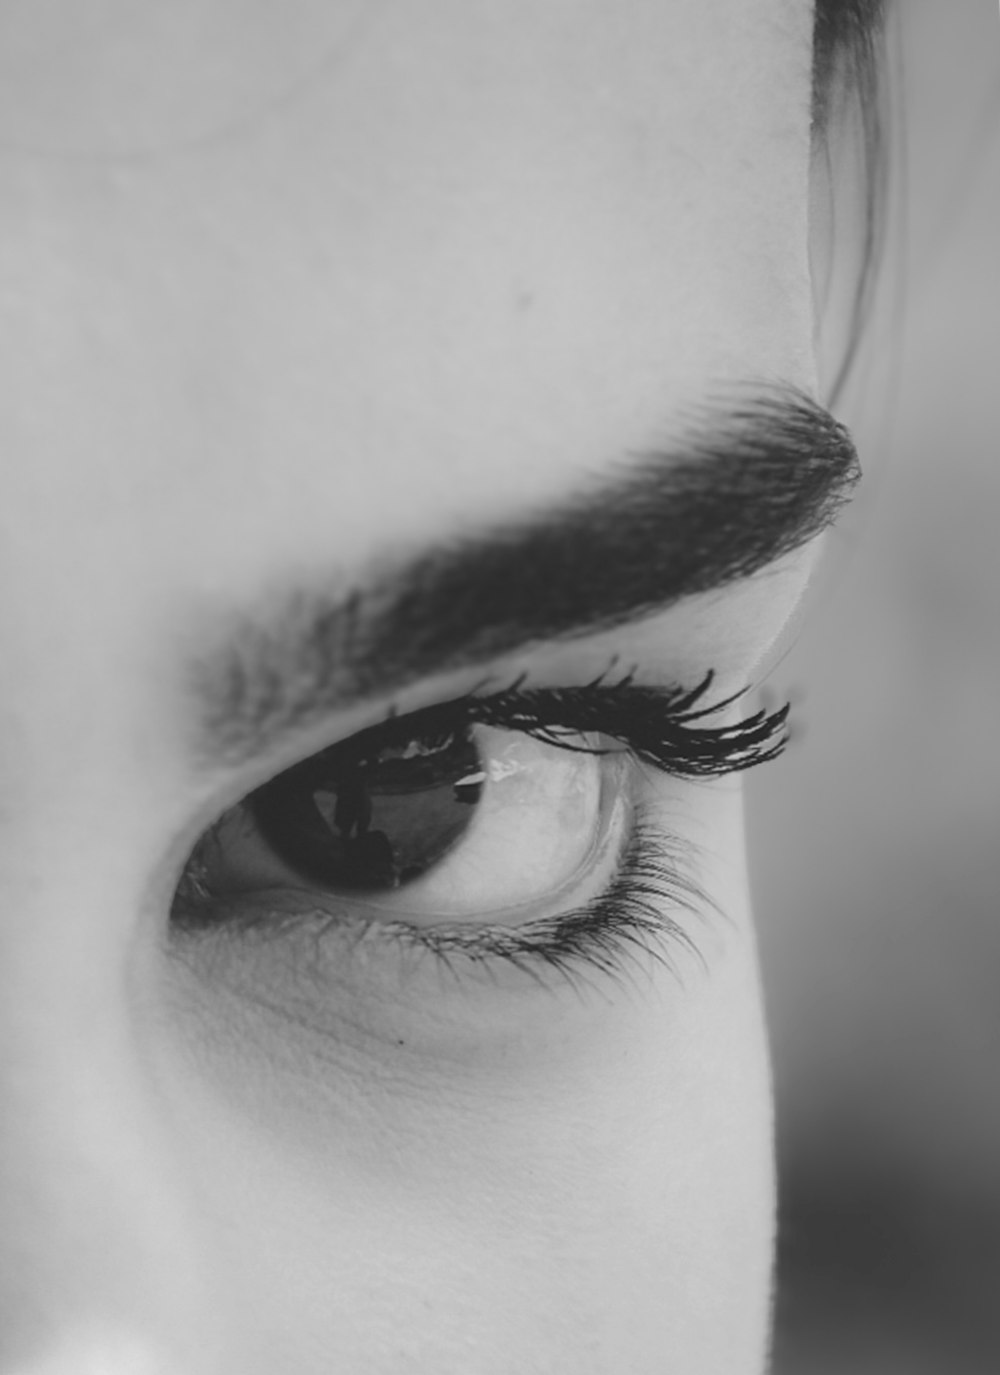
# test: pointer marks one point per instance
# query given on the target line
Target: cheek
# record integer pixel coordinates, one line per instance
(591, 1195)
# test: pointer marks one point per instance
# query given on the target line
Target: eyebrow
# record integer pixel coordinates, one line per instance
(747, 482)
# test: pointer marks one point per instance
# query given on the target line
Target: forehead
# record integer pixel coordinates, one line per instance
(290, 284)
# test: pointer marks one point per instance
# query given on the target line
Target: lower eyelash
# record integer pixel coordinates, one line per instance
(635, 920)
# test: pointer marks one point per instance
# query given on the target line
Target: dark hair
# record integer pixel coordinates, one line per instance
(847, 74)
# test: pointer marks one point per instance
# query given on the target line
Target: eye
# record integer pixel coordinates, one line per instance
(537, 828)
(431, 824)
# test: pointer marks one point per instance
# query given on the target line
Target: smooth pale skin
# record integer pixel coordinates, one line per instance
(283, 287)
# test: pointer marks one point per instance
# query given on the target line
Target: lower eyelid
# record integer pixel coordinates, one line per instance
(651, 914)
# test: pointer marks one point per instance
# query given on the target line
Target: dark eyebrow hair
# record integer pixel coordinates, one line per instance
(751, 481)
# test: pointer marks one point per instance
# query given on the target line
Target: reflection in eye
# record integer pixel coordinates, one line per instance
(459, 828)
(373, 819)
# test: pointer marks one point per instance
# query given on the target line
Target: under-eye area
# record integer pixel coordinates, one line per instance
(523, 829)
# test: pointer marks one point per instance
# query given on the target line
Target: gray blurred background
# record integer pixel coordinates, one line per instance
(875, 842)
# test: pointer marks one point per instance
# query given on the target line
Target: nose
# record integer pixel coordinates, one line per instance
(102, 1258)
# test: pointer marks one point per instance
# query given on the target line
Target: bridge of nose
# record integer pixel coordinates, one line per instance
(101, 1254)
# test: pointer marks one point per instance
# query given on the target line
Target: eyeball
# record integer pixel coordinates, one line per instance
(472, 820)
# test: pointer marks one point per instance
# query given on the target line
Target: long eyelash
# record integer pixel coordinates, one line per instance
(661, 726)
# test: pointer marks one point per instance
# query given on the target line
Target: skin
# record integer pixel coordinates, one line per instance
(285, 287)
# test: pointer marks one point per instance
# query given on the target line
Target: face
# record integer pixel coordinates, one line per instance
(395, 399)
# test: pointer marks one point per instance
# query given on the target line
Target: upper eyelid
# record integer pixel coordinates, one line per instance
(508, 707)
(362, 720)
(679, 743)
(497, 708)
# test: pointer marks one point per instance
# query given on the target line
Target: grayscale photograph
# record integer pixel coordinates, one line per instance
(499, 687)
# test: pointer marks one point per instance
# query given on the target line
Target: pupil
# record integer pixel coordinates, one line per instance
(370, 821)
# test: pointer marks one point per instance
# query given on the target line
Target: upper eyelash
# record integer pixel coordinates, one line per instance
(657, 724)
